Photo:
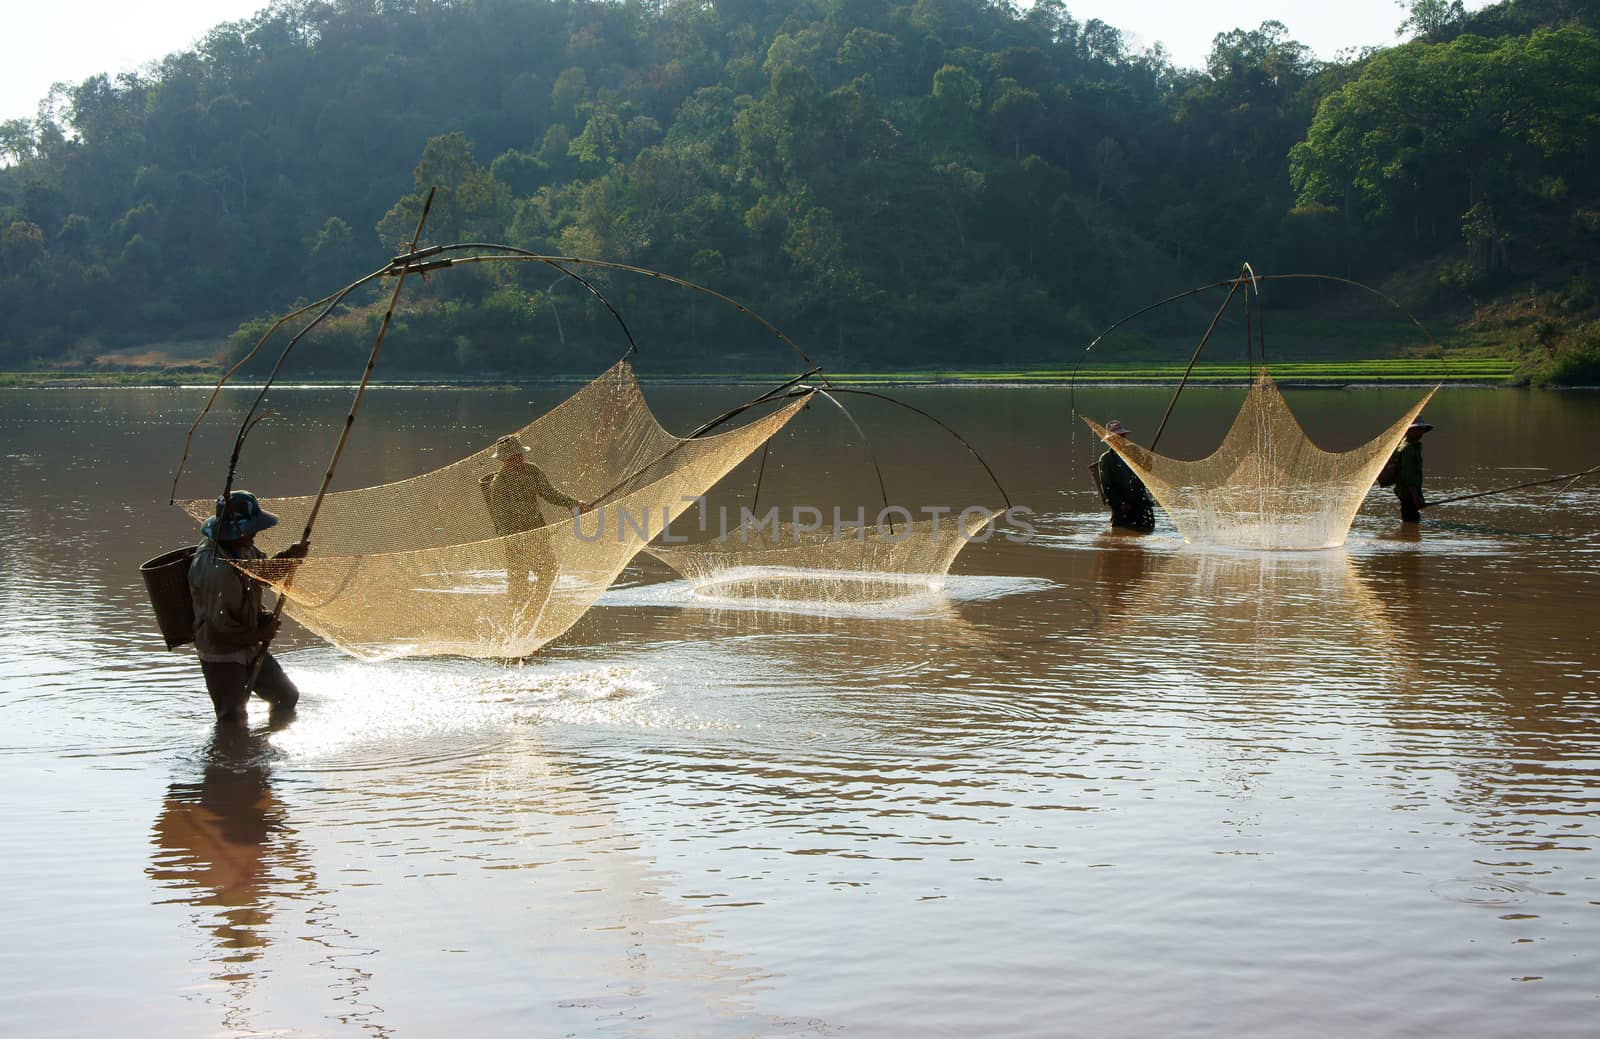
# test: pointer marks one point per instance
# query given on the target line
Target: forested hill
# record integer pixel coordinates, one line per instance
(896, 183)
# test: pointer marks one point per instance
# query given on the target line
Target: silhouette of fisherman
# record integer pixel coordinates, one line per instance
(516, 494)
(1121, 490)
(1408, 472)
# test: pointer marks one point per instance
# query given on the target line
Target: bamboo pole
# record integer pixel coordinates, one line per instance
(1203, 339)
(1521, 486)
(344, 434)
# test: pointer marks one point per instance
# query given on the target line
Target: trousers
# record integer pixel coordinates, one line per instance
(228, 684)
(1134, 515)
(1410, 504)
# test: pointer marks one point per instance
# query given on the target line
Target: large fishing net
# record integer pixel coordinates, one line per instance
(837, 564)
(1267, 486)
(502, 551)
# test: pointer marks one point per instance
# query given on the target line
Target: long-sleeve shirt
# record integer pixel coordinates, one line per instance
(1409, 474)
(514, 494)
(227, 605)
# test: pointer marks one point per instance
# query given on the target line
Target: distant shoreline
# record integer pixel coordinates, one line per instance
(1479, 372)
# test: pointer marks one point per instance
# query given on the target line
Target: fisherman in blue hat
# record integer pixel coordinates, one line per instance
(230, 627)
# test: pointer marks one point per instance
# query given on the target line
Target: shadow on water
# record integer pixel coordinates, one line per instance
(224, 845)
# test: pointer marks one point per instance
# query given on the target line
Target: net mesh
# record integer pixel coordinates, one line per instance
(847, 565)
(1267, 486)
(472, 560)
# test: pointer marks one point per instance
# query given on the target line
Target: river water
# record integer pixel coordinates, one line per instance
(1100, 786)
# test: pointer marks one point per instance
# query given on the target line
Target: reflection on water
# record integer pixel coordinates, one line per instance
(226, 838)
(1271, 621)
(571, 888)
(1115, 781)
(224, 846)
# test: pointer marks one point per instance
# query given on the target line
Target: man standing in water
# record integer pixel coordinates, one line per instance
(230, 627)
(1408, 472)
(514, 494)
(1125, 494)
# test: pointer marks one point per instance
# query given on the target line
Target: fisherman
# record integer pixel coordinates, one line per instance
(1122, 491)
(514, 494)
(1408, 472)
(230, 628)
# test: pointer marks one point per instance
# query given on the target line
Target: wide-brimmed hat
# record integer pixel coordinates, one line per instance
(508, 447)
(1419, 425)
(1115, 426)
(239, 516)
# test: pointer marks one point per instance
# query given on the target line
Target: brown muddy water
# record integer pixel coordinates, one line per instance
(1099, 786)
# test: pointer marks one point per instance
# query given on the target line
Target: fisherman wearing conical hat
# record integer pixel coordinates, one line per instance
(516, 494)
(1408, 472)
(1121, 490)
(230, 628)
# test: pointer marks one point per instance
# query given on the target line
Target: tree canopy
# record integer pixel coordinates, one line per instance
(898, 181)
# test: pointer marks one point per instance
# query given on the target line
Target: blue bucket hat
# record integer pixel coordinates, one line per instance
(239, 516)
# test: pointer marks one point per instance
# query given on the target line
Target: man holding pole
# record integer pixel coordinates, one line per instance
(1122, 491)
(1408, 473)
(230, 628)
(515, 494)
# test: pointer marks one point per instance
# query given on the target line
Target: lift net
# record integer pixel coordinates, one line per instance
(1267, 486)
(450, 563)
(846, 565)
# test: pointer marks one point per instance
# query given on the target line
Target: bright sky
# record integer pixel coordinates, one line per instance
(71, 40)
(1187, 27)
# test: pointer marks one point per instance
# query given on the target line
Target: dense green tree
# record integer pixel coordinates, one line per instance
(21, 246)
(898, 179)
(332, 254)
(469, 204)
(1430, 17)
(1472, 138)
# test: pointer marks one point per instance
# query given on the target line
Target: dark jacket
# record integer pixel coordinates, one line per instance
(227, 605)
(1125, 493)
(1409, 473)
(1119, 487)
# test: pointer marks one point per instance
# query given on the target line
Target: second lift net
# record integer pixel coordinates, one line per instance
(1267, 486)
